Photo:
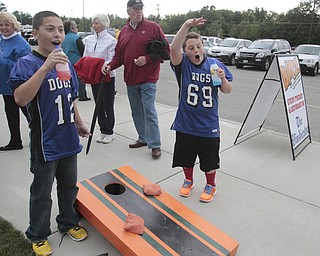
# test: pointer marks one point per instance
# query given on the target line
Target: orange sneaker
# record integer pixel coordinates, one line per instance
(208, 193)
(185, 189)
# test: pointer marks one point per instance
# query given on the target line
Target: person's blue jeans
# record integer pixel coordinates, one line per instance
(143, 110)
(40, 204)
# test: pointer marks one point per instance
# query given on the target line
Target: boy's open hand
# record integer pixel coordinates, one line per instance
(196, 22)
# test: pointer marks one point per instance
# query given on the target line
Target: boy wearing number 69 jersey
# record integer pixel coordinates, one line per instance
(55, 126)
(197, 120)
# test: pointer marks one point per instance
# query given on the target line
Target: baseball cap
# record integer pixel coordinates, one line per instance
(134, 3)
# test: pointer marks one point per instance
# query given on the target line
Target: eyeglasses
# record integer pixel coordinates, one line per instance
(138, 8)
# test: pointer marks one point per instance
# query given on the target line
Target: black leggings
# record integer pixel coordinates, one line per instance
(106, 117)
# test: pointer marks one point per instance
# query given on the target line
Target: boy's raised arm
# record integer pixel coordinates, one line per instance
(176, 46)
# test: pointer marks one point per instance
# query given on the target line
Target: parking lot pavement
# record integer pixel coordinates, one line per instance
(266, 201)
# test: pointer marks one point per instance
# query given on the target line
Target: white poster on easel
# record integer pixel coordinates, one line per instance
(284, 73)
(263, 101)
(294, 99)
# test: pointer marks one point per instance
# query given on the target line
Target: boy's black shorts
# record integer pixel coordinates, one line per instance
(188, 147)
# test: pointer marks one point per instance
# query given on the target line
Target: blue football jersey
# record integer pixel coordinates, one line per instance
(53, 133)
(197, 112)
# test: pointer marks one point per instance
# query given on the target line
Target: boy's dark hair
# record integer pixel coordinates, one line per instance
(38, 18)
(191, 35)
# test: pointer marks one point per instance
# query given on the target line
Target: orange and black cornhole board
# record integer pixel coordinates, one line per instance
(171, 228)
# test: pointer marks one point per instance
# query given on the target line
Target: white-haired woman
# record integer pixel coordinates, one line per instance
(12, 47)
(102, 45)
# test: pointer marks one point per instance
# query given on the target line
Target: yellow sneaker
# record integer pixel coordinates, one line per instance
(185, 189)
(208, 193)
(77, 233)
(42, 248)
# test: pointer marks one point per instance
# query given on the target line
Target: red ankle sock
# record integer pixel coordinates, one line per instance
(188, 173)
(211, 178)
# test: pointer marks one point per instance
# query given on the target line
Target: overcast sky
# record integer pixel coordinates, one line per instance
(74, 8)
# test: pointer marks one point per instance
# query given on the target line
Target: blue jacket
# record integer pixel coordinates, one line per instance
(11, 49)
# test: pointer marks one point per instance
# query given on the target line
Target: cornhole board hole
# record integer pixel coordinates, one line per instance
(170, 228)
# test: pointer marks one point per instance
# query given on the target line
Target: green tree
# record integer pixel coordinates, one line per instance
(299, 25)
(117, 22)
(23, 18)
(302, 23)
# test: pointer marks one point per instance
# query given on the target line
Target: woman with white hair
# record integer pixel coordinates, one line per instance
(101, 45)
(12, 47)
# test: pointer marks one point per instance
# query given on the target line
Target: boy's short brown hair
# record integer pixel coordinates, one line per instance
(38, 18)
(191, 35)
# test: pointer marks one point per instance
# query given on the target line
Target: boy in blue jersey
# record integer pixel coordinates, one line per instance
(197, 121)
(55, 127)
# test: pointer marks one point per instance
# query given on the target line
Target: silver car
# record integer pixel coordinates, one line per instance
(207, 45)
(309, 58)
(226, 50)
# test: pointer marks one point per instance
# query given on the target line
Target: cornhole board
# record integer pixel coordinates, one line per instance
(170, 228)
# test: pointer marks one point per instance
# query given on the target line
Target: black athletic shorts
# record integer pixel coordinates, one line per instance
(188, 147)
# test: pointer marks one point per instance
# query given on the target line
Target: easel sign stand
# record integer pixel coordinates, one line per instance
(170, 228)
(284, 73)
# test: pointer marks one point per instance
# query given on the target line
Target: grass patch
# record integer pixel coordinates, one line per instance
(12, 241)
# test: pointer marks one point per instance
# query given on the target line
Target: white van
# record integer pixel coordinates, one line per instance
(215, 40)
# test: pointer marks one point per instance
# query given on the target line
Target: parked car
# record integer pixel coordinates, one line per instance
(26, 34)
(169, 37)
(215, 40)
(227, 49)
(261, 52)
(207, 45)
(32, 40)
(84, 34)
(309, 58)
